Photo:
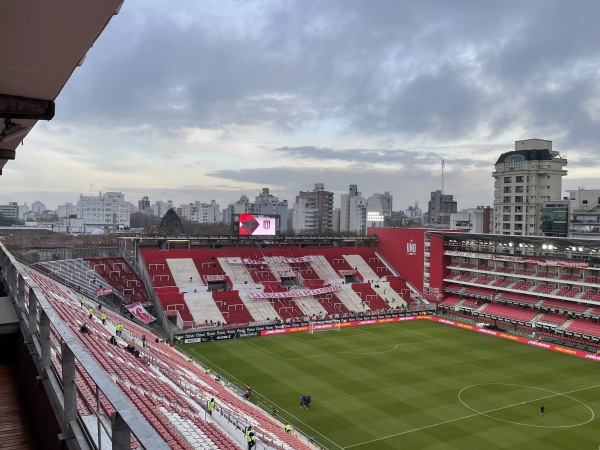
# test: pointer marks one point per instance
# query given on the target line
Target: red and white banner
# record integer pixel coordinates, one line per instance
(294, 294)
(140, 312)
(208, 278)
(300, 259)
(347, 273)
(104, 291)
(246, 261)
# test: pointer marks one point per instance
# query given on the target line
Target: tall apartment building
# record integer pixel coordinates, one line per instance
(353, 211)
(160, 208)
(108, 211)
(144, 205)
(200, 212)
(381, 203)
(10, 211)
(524, 180)
(440, 206)
(66, 210)
(266, 204)
(313, 210)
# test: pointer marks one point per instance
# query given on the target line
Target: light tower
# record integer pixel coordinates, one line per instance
(443, 164)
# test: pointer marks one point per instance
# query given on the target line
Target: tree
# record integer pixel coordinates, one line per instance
(170, 224)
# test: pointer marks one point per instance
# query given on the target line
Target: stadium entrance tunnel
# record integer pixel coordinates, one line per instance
(520, 405)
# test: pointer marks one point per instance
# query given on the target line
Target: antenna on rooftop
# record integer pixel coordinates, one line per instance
(443, 165)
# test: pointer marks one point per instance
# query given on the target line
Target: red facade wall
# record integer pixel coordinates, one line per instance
(403, 248)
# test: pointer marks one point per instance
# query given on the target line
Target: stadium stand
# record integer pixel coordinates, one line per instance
(509, 312)
(563, 305)
(553, 318)
(584, 326)
(169, 391)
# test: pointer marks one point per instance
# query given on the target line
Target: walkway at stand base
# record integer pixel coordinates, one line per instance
(15, 430)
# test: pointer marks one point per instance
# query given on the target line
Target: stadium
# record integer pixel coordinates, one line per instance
(403, 338)
(434, 333)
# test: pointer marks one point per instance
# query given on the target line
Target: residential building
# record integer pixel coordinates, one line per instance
(200, 212)
(524, 180)
(353, 211)
(108, 211)
(414, 214)
(472, 220)
(313, 210)
(584, 205)
(38, 207)
(10, 211)
(160, 208)
(440, 206)
(381, 203)
(66, 210)
(144, 205)
(266, 204)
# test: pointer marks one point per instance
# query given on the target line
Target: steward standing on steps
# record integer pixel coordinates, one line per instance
(211, 406)
(250, 437)
(103, 318)
(91, 312)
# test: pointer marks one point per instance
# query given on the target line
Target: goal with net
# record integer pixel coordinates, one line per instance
(324, 325)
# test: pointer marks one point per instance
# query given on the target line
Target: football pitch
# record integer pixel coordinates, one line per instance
(416, 385)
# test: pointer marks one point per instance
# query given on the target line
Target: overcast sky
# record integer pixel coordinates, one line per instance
(190, 100)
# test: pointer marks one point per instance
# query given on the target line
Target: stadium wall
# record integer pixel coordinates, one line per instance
(437, 262)
(403, 248)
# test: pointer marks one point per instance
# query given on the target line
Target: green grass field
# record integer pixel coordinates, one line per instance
(417, 385)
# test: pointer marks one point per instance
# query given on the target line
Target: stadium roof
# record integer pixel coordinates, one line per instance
(42, 43)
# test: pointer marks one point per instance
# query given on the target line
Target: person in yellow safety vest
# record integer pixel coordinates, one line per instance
(103, 318)
(287, 428)
(82, 301)
(179, 339)
(91, 312)
(207, 371)
(211, 406)
(119, 329)
(250, 437)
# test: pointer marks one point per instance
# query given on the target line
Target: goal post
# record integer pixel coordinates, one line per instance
(324, 325)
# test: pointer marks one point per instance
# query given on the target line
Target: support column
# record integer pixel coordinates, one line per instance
(121, 435)
(69, 389)
(45, 340)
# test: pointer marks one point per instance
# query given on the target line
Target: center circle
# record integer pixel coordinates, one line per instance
(494, 400)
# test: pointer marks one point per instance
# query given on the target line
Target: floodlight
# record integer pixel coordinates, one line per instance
(13, 131)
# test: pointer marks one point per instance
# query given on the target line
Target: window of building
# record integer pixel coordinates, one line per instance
(518, 227)
(507, 189)
(519, 188)
(507, 179)
(506, 226)
(519, 199)
(506, 208)
(514, 162)
(506, 218)
(519, 218)
(518, 209)
(519, 179)
(506, 199)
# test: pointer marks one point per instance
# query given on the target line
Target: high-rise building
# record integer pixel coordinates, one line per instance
(440, 207)
(524, 180)
(241, 206)
(266, 204)
(160, 208)
(66, 210)
(353, 211)
(313, 210)
(108, 211)
(414, 214)
(10, 211)
(381, 203)
(144, 205)
(200, 212)
(38, 207)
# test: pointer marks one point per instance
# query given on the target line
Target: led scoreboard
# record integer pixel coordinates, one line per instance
(251, 225)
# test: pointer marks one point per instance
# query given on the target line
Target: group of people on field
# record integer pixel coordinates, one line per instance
(305, 401)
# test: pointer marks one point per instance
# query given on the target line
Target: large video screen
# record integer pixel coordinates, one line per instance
(257, 225)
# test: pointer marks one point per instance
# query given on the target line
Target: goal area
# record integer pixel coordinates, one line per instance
(324, 325)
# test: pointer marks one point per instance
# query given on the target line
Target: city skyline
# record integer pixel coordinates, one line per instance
(188, 101)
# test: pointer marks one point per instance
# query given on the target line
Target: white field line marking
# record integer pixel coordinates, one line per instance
(465, 417)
